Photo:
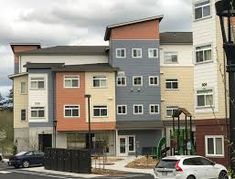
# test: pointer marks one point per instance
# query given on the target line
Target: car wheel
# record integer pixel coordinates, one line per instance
(25, 164)
(191, 177)
(223, 175)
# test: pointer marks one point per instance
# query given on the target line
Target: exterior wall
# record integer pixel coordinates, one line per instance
(181, 97)
(20, 48)
(144, 138)
(145, 67)
(137, 31)
(21, 139)
(20, 102)
(68, 60)
(102, 96)
(61, 140)
(212, 127)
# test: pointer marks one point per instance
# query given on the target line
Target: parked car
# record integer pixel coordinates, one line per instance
(189, 167)
(26, 159)
(1, 157)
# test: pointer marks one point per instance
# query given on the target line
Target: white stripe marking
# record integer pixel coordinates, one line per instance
(4, 172)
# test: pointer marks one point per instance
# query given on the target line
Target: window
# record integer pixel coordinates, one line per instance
(202, 9)
(171, 83)
(99, 81)
(170, 110)
(23, 115)
(205, 98)
(153, 52)
(23, 88)
(203, 54)
(131, 141)
(120, 53)
(197, 161)
(121, 109)
(100, 111)
(121, 81)
(71, 81)
(37, 83)
(138, 109)
(153, 81)
(137, 80)
(154, 108)
(214, 145)
(71, 111)
(37, 112)
(136, 53)
(170, 57)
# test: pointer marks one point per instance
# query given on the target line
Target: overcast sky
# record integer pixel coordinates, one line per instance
(77, 22)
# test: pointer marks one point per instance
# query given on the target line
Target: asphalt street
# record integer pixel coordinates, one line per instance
(7, 172)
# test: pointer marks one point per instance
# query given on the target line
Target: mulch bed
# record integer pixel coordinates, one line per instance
(107, 172)
(143, 163)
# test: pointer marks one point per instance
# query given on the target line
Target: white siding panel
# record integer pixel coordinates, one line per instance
(68, 60)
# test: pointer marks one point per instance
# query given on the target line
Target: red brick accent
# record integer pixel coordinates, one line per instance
(143, 30)
(212, 127)
(74, 96)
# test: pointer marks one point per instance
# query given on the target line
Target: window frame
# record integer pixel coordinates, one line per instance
(169, 54)
(37, 117)
(72, 77)
(132, 52)
(21, 92)
(93, 107)
(116, 51)
(172, 108)
(150, 112)
(122, 105)
(204, 48)
(139, 105)
(149, 52)
(37, 88)
(71, 109)
(214, 145)
(202, 6)
(25, 111)
(100, 77)
(121, 77)
(205, 94)
(133, 81)
(133, 143)
(171, 81)
(157, 80)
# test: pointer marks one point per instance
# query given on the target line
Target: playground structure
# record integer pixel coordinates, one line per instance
(181, 139)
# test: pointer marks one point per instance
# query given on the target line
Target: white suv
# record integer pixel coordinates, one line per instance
(189, 167)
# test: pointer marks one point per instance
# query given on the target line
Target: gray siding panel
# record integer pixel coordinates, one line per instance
(145, 67)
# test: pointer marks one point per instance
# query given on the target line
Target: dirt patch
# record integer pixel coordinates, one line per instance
(106, 172)
(143, 163)
(105, 160)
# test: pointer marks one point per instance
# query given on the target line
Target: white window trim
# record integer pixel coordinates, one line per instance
(132, 50)
(72, 116)
(206, 106)
(121, 77)
(206, 144)
(137, 77)
(100, 116)
(171, 52)
(149, 49)
(172, 89)
(71, 76)
(120, 105)
(129, 143)
(37, 117)
(26, 115)
(117, 53)
(99, 87)
(157, 81)
(138, 105)
(170, 108)
(203, 17)
(44, 80)
(154, 105)
(195, 53)
(25, 87)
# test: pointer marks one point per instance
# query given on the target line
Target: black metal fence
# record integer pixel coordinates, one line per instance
(78, 161)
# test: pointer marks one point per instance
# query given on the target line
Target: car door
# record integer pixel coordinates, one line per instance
(29, 156)
(39, 157)
(197, 168)
(209, 167)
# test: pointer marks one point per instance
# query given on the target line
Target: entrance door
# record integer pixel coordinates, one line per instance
(123, 145)
(44, 141)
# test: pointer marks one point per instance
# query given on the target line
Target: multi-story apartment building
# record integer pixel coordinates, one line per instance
(210, 83)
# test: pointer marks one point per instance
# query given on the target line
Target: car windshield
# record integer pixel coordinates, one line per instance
(21, 153)
(167, 164)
